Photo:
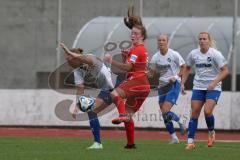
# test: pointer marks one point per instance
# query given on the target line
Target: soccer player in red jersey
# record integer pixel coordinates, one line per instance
(136, 87)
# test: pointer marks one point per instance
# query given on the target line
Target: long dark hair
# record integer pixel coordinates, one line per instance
(142, 29)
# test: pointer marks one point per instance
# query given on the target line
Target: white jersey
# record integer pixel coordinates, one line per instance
(207, 67)
(167, 65)
(96, 75)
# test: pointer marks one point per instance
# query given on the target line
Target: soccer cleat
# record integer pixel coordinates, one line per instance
(130, 146)
(182, 128)
(120, 119)
(211, 139)
(96, 145)
(190, 146)
(174, 141)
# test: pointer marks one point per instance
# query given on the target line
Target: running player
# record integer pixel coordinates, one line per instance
(210, 69)
(168, 64)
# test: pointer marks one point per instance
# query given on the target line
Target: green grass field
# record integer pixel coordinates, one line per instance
(17, 148)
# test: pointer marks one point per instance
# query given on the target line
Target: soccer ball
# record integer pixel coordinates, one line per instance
(85, 103)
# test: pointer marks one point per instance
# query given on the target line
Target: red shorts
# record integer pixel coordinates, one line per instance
(136, 90)
(136, 103)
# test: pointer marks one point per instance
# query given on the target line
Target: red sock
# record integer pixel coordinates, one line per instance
(129, 127)
(119, 102)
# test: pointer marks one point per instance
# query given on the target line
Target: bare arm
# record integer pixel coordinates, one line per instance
(151, 73)
(71, 55)
(123, 66)
(223, 74)
(184, 72)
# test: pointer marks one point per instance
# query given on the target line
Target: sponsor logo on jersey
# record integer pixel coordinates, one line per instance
(203, 65)
(133, 58)
(167, 66)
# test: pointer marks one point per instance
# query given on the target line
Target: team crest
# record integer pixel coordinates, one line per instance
(169, 60)
(209, 59)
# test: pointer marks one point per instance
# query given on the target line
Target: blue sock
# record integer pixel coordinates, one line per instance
(169, 127)
(192, 127)
(171, 116)
(168, 123)
(210, 122)
(95, 126)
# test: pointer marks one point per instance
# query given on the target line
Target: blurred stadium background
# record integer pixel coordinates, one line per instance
(30, 31)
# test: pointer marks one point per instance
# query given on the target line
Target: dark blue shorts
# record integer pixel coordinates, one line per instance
(171, 95)
(105, 95)
(203, 95)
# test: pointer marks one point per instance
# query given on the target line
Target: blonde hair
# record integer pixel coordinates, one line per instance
(211, 40)
(162, 34)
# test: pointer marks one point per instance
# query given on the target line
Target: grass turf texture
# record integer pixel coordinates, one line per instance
(25, 148)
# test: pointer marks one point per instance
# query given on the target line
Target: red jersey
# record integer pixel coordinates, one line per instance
(138, 56)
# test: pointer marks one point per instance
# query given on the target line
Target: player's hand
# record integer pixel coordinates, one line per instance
(66, 50)
(68, 54)
(108, 58)
(125, 52)
(172, 80)
(64, 47)
(183, 89)
(75, 112)
(212, 85)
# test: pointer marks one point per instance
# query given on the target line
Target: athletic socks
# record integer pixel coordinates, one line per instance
(119, 102)
(170, 116)
(95, 125)
(210, 122)
(129, 127)
(192, 127)
(169, 126)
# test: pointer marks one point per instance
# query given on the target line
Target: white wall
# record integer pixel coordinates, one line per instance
(38, 107)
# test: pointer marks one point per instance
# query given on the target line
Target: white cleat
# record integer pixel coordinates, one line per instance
(96, 145)
(182, 127)
(174, 141)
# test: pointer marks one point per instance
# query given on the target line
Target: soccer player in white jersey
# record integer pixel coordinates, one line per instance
(90, 71)
(168, 64)
(210, 69)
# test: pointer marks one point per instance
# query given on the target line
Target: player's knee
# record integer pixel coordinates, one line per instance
(120, 92)
(116, 99)
(195, 113)
(207, 113)
(97, 109)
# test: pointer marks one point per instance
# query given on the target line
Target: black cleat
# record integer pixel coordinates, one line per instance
(130, 146)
